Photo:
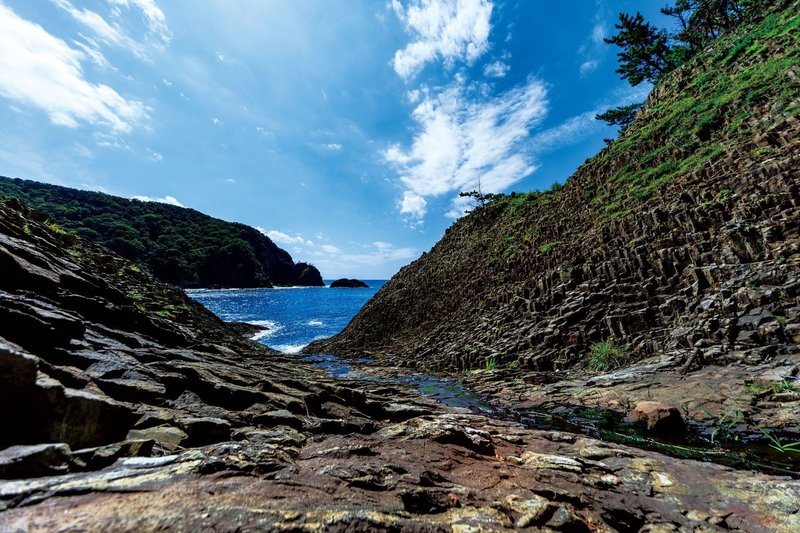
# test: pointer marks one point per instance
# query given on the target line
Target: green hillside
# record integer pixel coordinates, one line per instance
(179, 246)
(692, 209)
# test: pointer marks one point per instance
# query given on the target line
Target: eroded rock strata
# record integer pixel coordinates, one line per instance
(667, 267)
(127, 406)
(681, 238)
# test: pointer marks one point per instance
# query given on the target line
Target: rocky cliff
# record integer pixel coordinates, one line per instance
(127, 406)
(680, 239)
(179, 246)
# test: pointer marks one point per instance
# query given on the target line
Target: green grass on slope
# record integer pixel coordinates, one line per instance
(701, 114)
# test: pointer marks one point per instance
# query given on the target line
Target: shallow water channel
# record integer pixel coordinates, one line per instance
(748, 451)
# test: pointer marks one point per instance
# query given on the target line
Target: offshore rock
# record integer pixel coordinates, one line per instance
(348, 284)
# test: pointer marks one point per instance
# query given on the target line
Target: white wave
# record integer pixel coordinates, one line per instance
(290, 348)
(271, 326)
(315, 323)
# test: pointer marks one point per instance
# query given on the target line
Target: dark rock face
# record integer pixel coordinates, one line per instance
(349, 284)
(701, 269)
(307, 276)
(34, 461)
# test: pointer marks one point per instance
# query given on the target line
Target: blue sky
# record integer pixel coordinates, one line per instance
(343, 129)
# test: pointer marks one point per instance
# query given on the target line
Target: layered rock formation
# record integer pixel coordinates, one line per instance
(680, 239)
(127, 406)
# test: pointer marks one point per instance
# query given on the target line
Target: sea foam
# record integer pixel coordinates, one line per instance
(272, 328)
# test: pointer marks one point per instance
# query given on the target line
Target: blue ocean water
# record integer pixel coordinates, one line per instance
(295, 316)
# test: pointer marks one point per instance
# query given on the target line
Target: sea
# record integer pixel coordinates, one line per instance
(294, 316)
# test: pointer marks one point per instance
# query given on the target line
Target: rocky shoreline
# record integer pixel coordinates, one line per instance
(143, 411)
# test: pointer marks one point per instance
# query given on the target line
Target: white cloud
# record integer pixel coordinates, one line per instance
(370, 260)
(329, 249)
(93, 53)
(42, 71)
(460, 206)
(497, 69)
(599, 33)
(113, 33)
(589, 66)
(592, 49)
(413, 204)
(156, 21)
(463, 136)
(167, 83)
(216, 121)
(266, 133)
(155, 156)
(579, 127)
(230, 180)
(171, 200)
(451, 30)
(568, 132)
(284, 238)
(333, 147)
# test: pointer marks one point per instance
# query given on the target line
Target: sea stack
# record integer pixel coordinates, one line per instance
(345, 283)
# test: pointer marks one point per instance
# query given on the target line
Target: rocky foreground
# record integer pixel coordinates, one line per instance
(127, 406)
(667, 268)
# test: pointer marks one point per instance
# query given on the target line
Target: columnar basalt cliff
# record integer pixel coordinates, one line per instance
(679, 238)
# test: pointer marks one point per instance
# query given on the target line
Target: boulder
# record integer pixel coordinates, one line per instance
(34, 461)
(345, 283)
(656, 417)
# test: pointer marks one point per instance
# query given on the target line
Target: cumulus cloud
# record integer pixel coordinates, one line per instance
(463, 136)
(285, 238)
(367, 260)
(42, 71)
(171, 200)
(496, 69)
(450, 30)
(329, 249)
